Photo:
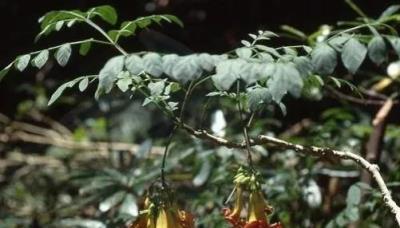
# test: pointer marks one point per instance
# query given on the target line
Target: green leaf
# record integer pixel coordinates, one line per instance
(63, 54)
(285, 79)
(353, 55)
(395, 42)
(156, 88)
(41, 59)
(338, 42)
(111, 201)
(107, 13)
(108, 75)
(353, 195)
(352, 214)
(128, 28)
(389, 11)
(244, 52)
(85, 48)
(4, 71)
(377, 51)
(152, 64)
(134, 64)
(324, 59)
(22, 62)
(59, 91)
(258, 98)
(83, 84)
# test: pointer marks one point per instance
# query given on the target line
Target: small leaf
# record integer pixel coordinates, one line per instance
(129, 206)
(353, 196)
(4, 71)
(395, 42)
(63, 54)
(156, 88)
(59, 91)
(353, 55)
(204, 173)
(244, 52)
(324, 59)
(377, 51)
(22, 62)
(83, 84)
(41, 59)
(111, 201)
(85, 48)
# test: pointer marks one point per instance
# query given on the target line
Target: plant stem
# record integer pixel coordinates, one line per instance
(164, 159)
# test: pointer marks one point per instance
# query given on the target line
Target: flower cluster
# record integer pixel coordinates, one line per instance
(163, 212)
(258, 209)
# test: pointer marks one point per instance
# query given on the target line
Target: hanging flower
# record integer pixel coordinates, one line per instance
(163, 215)
(258, 209)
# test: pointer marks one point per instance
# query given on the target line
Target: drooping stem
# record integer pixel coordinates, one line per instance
(165, 155)
(245, 126)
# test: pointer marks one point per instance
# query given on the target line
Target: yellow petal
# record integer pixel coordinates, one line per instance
(257, 207)
(166, 219)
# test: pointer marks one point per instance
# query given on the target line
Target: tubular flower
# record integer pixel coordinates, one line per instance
(233, 216)
(166, 217)
(258, 209)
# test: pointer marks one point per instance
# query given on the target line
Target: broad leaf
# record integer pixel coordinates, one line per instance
(186, 69)
(395, 42)
(152, 64)
(258, 98)
(129, 206)
(285, 79)
(324, 59)
(63, 54)
(227, 72)
(377, 51)
(389, 11)
(353, 55)
(156, 88)
(107, 13)
(111, 201)
(303, 65)
(134, 64)
(108, 75)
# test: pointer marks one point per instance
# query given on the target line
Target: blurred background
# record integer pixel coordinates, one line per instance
(56, 167)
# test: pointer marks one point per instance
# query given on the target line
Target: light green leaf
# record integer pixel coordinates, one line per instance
(324, 59)
(59, 91)
(22, 62)
(129, 206)
(83, 84)
(63, 54)
(152, 64)
(258, 98)
(244, 52)
(41, 59)
(111, 201)
(377, 51)
(353, 55)
(303, 65)
(353, 196)
(204, 173)
(186, 69)
(124, 81)
(285, 79)
(227, 72)
(156, 88)
(389, 11)
(108, 75)
(134, 64)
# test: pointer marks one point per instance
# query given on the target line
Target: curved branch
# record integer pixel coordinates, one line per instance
(373, 169)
